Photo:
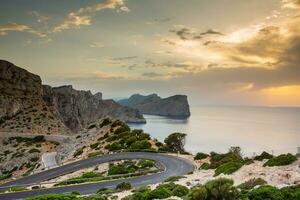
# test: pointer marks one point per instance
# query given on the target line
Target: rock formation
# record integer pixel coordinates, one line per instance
(28, 106)
(175, 106)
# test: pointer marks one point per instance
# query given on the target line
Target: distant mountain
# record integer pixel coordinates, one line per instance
(28, 106)
(175, 106)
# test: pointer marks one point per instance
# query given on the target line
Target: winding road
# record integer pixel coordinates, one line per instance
(173, 166)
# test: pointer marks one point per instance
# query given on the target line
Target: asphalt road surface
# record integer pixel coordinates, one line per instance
(173, 166)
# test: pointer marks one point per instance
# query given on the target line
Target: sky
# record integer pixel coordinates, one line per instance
(218, 52)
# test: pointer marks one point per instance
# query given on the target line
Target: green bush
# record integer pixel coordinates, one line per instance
(264, 193)
(90, 175)
(123, 186)
(34, 150)
(250, 184)
(122, 129)
(139, 145)
(205, 166)
(173, 178)
(5, 176)
(105, 122)
(221, 188)
(94, 154)
(228, 168)
(146, 164)
(114, 146)
(122, 168)
(105, 191)
(95, 145)
(264, 155)
(180, 191)
(283, 159)
(78, 152)
(200, 156)
(160, 193)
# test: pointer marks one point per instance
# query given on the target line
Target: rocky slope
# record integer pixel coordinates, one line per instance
(175, 106)
(28, 106)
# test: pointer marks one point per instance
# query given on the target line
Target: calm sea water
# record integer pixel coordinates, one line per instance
(254, 129)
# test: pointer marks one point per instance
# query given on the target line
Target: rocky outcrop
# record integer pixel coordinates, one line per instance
(28, 106)
(79, 108)
(175, 106)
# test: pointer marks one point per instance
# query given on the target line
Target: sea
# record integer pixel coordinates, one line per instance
(217, 128)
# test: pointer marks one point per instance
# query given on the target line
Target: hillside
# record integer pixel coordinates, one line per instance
(28, 106)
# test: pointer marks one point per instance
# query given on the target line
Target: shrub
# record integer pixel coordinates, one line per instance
(250, 184)
(122, 168)
(90, 175)
(78, 152)
(180, 191)
(114, 146)
(34, 150)
(221, 188)
(123, 186)
(283, 159)
(205, 166)
(94, 154)
(146, 164)
(95, 145)
(200, 156)
(264, 193)
(34, 159)
(174, 178)
(92, 126)
(105, 122)
(105, 191)
(264, 155)
(228, 168)
(35, 187)
(160, 193)
(122, 129)
(138, 145)
(5, 176)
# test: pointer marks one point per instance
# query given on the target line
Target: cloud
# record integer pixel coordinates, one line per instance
(124, 58)
(83, 16)
(73, 20)
(40, 18)
(97, 45)
(211, 32)
(14, 27)
(293, 4)
(105, 75)
(159, 20)
(186, 33)
(152, 74)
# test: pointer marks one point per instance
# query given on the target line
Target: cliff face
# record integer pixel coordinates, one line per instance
(22, 108)
(79, 108)
(28, 106)
(175, 106)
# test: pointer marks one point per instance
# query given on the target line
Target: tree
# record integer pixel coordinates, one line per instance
(175, 142)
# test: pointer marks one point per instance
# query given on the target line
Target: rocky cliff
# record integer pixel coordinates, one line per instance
(28, 106)
(79, 108)
(175, 106)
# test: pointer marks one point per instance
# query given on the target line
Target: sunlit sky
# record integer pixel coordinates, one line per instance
(219, 52)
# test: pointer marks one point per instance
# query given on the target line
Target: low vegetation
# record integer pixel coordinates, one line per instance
(200, 156)
(250, 184)
(283, 159)
(264, 155)
(227, 163)
(123, 186)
